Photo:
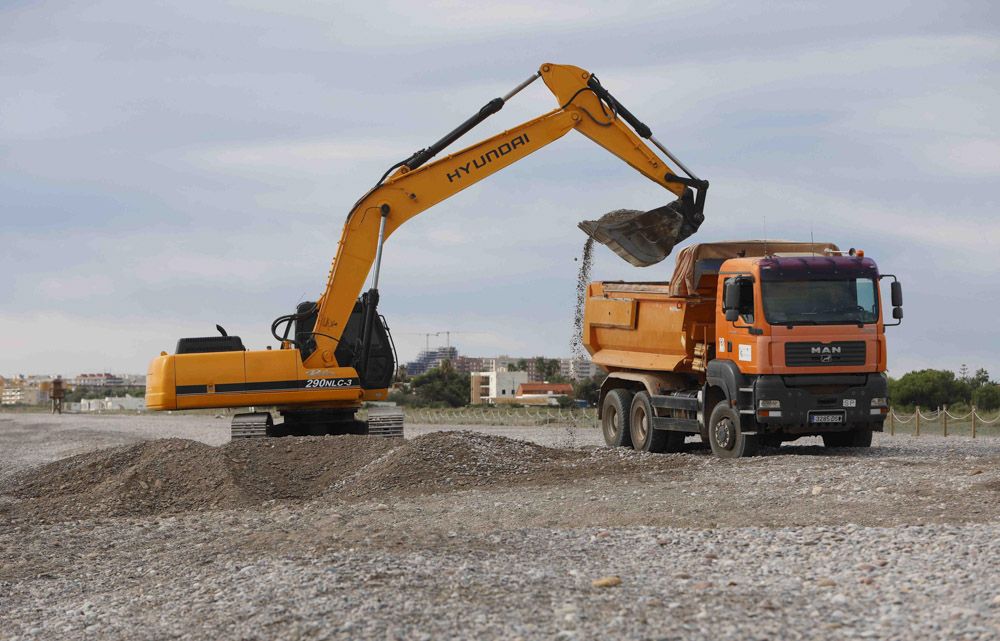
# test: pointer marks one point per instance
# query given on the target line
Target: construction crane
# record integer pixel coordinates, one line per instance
(337, 352)
(447, 334)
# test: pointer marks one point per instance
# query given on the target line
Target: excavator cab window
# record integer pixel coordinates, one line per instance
(305, 321)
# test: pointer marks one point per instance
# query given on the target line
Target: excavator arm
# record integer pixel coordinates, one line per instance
(416, 184)
(343, 354)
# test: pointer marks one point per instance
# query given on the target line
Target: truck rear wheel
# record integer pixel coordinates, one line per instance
(854, 438)
(726, 437)
(615, 418)
(644, 437)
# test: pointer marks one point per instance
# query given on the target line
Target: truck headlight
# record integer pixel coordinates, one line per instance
(770, 405)
(879, 402)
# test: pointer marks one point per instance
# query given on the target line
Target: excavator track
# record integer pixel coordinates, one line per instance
(252, 425)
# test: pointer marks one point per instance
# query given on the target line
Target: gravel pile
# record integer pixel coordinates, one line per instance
(446, 461)
(176, 475)
(173, 579)
(467, 535)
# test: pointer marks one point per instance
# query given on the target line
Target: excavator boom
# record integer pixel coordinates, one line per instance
(414, 185)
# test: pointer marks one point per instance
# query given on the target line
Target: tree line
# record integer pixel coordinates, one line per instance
(931, 388)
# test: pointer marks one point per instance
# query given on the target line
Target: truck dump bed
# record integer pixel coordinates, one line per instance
(668, 326)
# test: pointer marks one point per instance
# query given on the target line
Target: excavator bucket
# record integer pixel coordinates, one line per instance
(644, 238)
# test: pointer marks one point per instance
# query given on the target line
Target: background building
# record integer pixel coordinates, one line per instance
(494, 386)
(109, 404)
(103, 379)
(578, 369)
(429, 359)
(542, 393)
(22, 396)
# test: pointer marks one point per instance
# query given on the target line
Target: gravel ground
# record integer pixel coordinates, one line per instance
(474, 535)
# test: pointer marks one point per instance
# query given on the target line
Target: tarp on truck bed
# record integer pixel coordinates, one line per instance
(703, 258)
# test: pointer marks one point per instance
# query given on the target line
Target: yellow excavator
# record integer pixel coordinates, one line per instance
(337, 352)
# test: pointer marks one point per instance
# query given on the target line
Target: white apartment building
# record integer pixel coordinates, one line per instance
(495, 386)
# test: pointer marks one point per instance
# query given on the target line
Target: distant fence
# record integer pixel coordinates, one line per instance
(554, 416)
(941, 422)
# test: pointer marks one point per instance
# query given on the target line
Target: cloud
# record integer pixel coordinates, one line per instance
(58, 343)
(71, 287)
(312, 156)
(179, 165)
(975, 158)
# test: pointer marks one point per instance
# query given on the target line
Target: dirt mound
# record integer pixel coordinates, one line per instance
(176, 475)
(149, 477)
(444, 461)
(300, 467)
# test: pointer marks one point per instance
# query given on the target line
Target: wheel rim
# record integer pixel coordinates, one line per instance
(641, 425)
(613, 424)
(725, 434)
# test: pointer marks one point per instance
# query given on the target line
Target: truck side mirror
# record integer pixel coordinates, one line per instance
(896, 289)
(897, 312)
(732, 314)
(731, 297)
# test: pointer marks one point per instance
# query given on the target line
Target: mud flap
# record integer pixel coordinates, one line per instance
(644, 238)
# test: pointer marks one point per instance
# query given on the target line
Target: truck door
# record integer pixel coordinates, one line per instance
(736, 336)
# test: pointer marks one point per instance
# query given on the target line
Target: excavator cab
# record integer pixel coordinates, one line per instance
(380, 369)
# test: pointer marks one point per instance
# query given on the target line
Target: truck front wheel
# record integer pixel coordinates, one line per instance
(615, 418)
(726, 437)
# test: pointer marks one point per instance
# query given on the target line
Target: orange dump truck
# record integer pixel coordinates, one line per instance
(750, 343)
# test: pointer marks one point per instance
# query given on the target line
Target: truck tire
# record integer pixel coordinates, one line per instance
(854, 438)
(726, 437)
(615, 418)
(644, 437)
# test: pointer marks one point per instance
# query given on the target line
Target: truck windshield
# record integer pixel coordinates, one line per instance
(820, 302)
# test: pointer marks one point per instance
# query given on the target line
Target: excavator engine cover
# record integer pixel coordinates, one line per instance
(644, 238)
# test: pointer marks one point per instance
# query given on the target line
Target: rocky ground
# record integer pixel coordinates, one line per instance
(500, 533)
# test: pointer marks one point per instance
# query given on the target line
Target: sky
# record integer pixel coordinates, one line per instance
(166, 166)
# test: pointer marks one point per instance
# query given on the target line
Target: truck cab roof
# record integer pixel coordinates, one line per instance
(703, 259)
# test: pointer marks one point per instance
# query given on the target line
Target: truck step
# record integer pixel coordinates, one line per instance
(687, 425)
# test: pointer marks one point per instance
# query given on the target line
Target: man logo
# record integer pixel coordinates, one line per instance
(825, 352)
(825, 349)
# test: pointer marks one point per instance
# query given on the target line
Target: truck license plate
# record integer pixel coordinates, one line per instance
(826, 418)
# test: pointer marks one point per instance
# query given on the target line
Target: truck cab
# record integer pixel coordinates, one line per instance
(749, 344)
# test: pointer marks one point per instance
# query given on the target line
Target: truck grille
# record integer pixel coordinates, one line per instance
(823, 354)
